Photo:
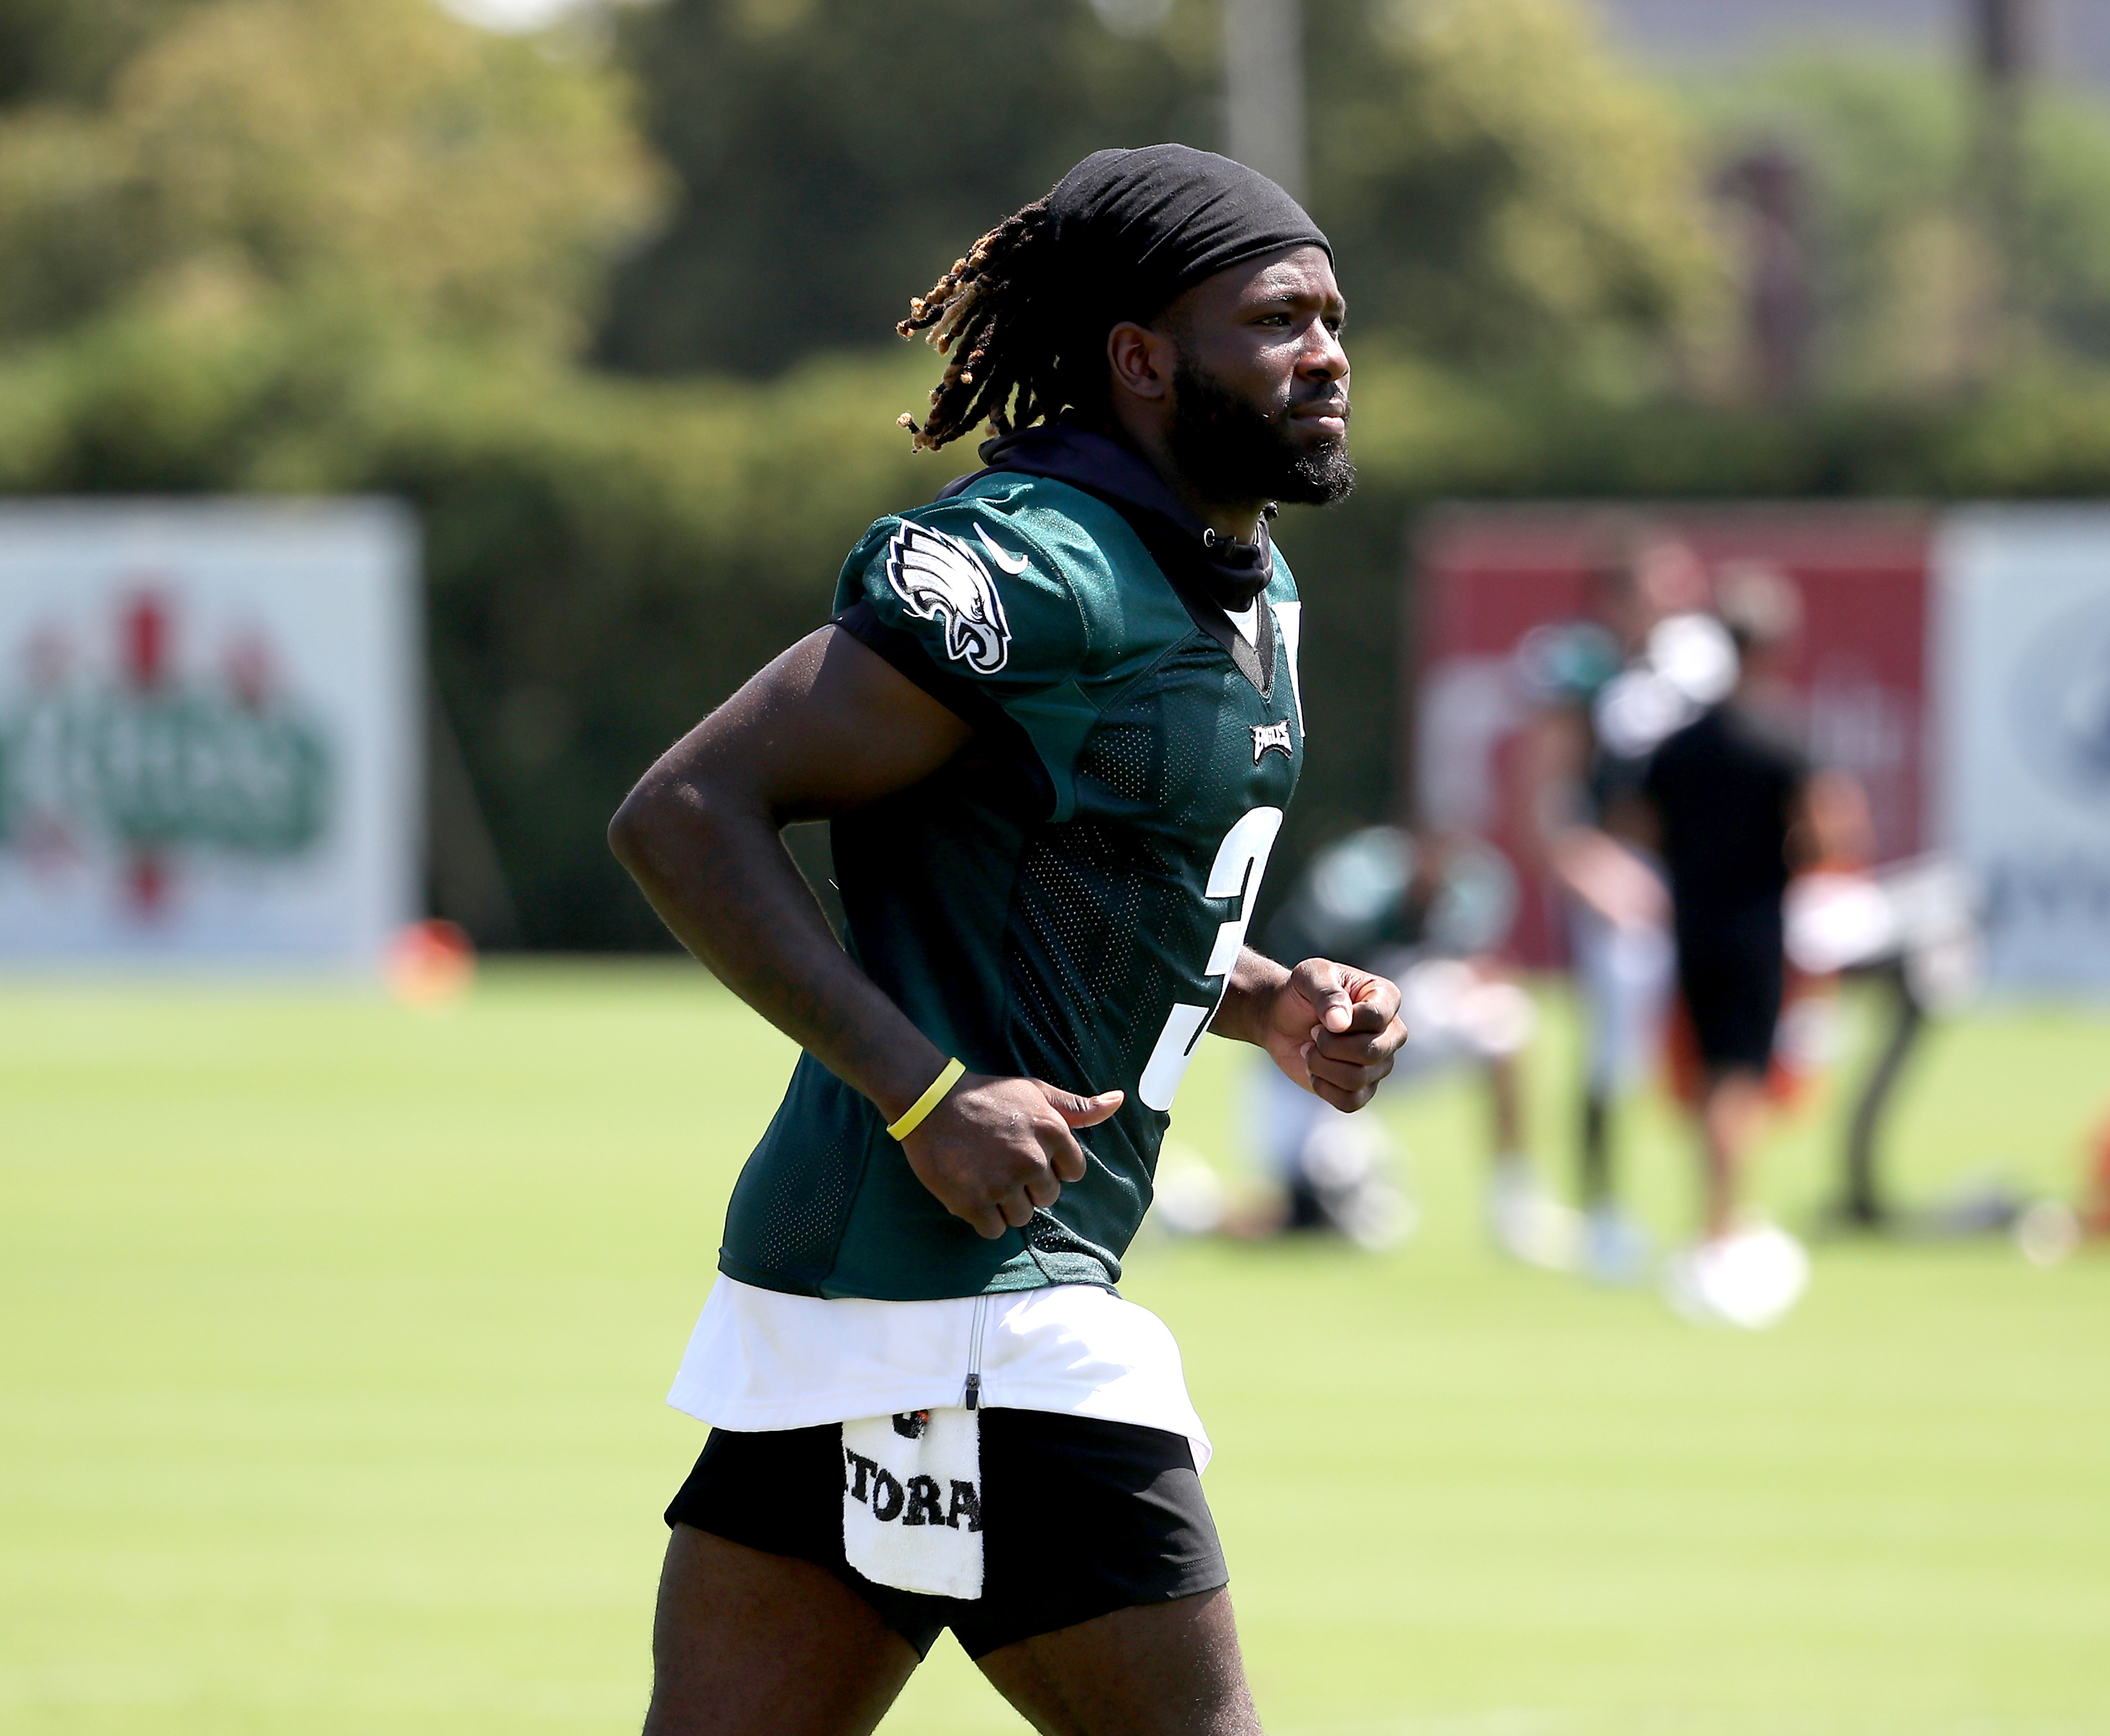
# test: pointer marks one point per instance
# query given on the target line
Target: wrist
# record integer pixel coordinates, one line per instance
(1249, 998)
(901, 1084)
(934, 1094)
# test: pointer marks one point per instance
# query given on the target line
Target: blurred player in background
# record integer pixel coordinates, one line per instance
(1736, 808)
(1606, 689)
(1430, 913)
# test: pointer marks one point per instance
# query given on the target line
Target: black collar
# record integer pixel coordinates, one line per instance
(1229, 573)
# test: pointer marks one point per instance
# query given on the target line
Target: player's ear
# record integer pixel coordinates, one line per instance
(1142, 360)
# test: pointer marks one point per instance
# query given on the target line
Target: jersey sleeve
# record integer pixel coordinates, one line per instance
(964, 607)
(985, 622)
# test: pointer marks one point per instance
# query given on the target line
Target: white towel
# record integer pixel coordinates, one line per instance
(912, 1501)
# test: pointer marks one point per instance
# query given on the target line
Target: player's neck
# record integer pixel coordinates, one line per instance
(1238, 519)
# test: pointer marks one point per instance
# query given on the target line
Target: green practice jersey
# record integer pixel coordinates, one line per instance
(1063, 901)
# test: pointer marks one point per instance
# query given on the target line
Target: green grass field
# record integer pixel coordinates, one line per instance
(335, 1336)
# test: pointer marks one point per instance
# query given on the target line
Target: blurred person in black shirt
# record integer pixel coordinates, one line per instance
(1737, 808)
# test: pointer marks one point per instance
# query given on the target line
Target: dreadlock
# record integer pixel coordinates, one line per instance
(993, 315)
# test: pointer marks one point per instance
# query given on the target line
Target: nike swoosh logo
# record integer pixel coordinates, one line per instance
(1009, 563)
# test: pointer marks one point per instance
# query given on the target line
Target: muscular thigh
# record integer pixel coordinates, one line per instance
(746, 1643)
(1158, 1669)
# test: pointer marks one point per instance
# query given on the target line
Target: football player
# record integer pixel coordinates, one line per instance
(1053, 723)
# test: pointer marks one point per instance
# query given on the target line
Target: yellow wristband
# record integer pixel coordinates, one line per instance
(919, 1111)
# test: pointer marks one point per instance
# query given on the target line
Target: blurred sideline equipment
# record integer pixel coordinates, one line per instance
(208, 732)
(1430, 914)
(431, 964)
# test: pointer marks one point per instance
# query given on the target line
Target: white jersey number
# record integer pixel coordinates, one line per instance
(1241, 860)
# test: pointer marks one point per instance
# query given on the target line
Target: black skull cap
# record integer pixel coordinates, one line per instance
(1134, 228)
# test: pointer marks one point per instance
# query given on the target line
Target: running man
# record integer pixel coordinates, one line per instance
(1053, 724)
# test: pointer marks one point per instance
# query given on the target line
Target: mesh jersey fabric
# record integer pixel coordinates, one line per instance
(1044, 905)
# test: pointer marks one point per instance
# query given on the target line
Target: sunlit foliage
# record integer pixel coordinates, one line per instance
(373, 156)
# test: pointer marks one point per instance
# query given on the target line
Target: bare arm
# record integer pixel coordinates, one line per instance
(1590, 862)
(829, 727)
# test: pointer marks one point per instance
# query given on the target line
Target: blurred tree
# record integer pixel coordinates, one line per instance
(835, 156)
(69, 48)
(375, 155)
(1498, 189)
(1503, 194)
(1903, 271)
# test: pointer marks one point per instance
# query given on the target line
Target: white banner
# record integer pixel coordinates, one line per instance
(209, 730)
(2021, 712)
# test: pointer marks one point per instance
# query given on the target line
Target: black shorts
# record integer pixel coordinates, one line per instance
(1733, 982)
(1080, 1517)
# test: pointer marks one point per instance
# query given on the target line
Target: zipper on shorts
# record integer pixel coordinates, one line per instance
(972, 1398)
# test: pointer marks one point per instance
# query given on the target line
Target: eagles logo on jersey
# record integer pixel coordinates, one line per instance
(941, 579)
(1272, 738)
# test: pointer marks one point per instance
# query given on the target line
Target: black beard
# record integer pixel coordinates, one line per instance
(1235, 450)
